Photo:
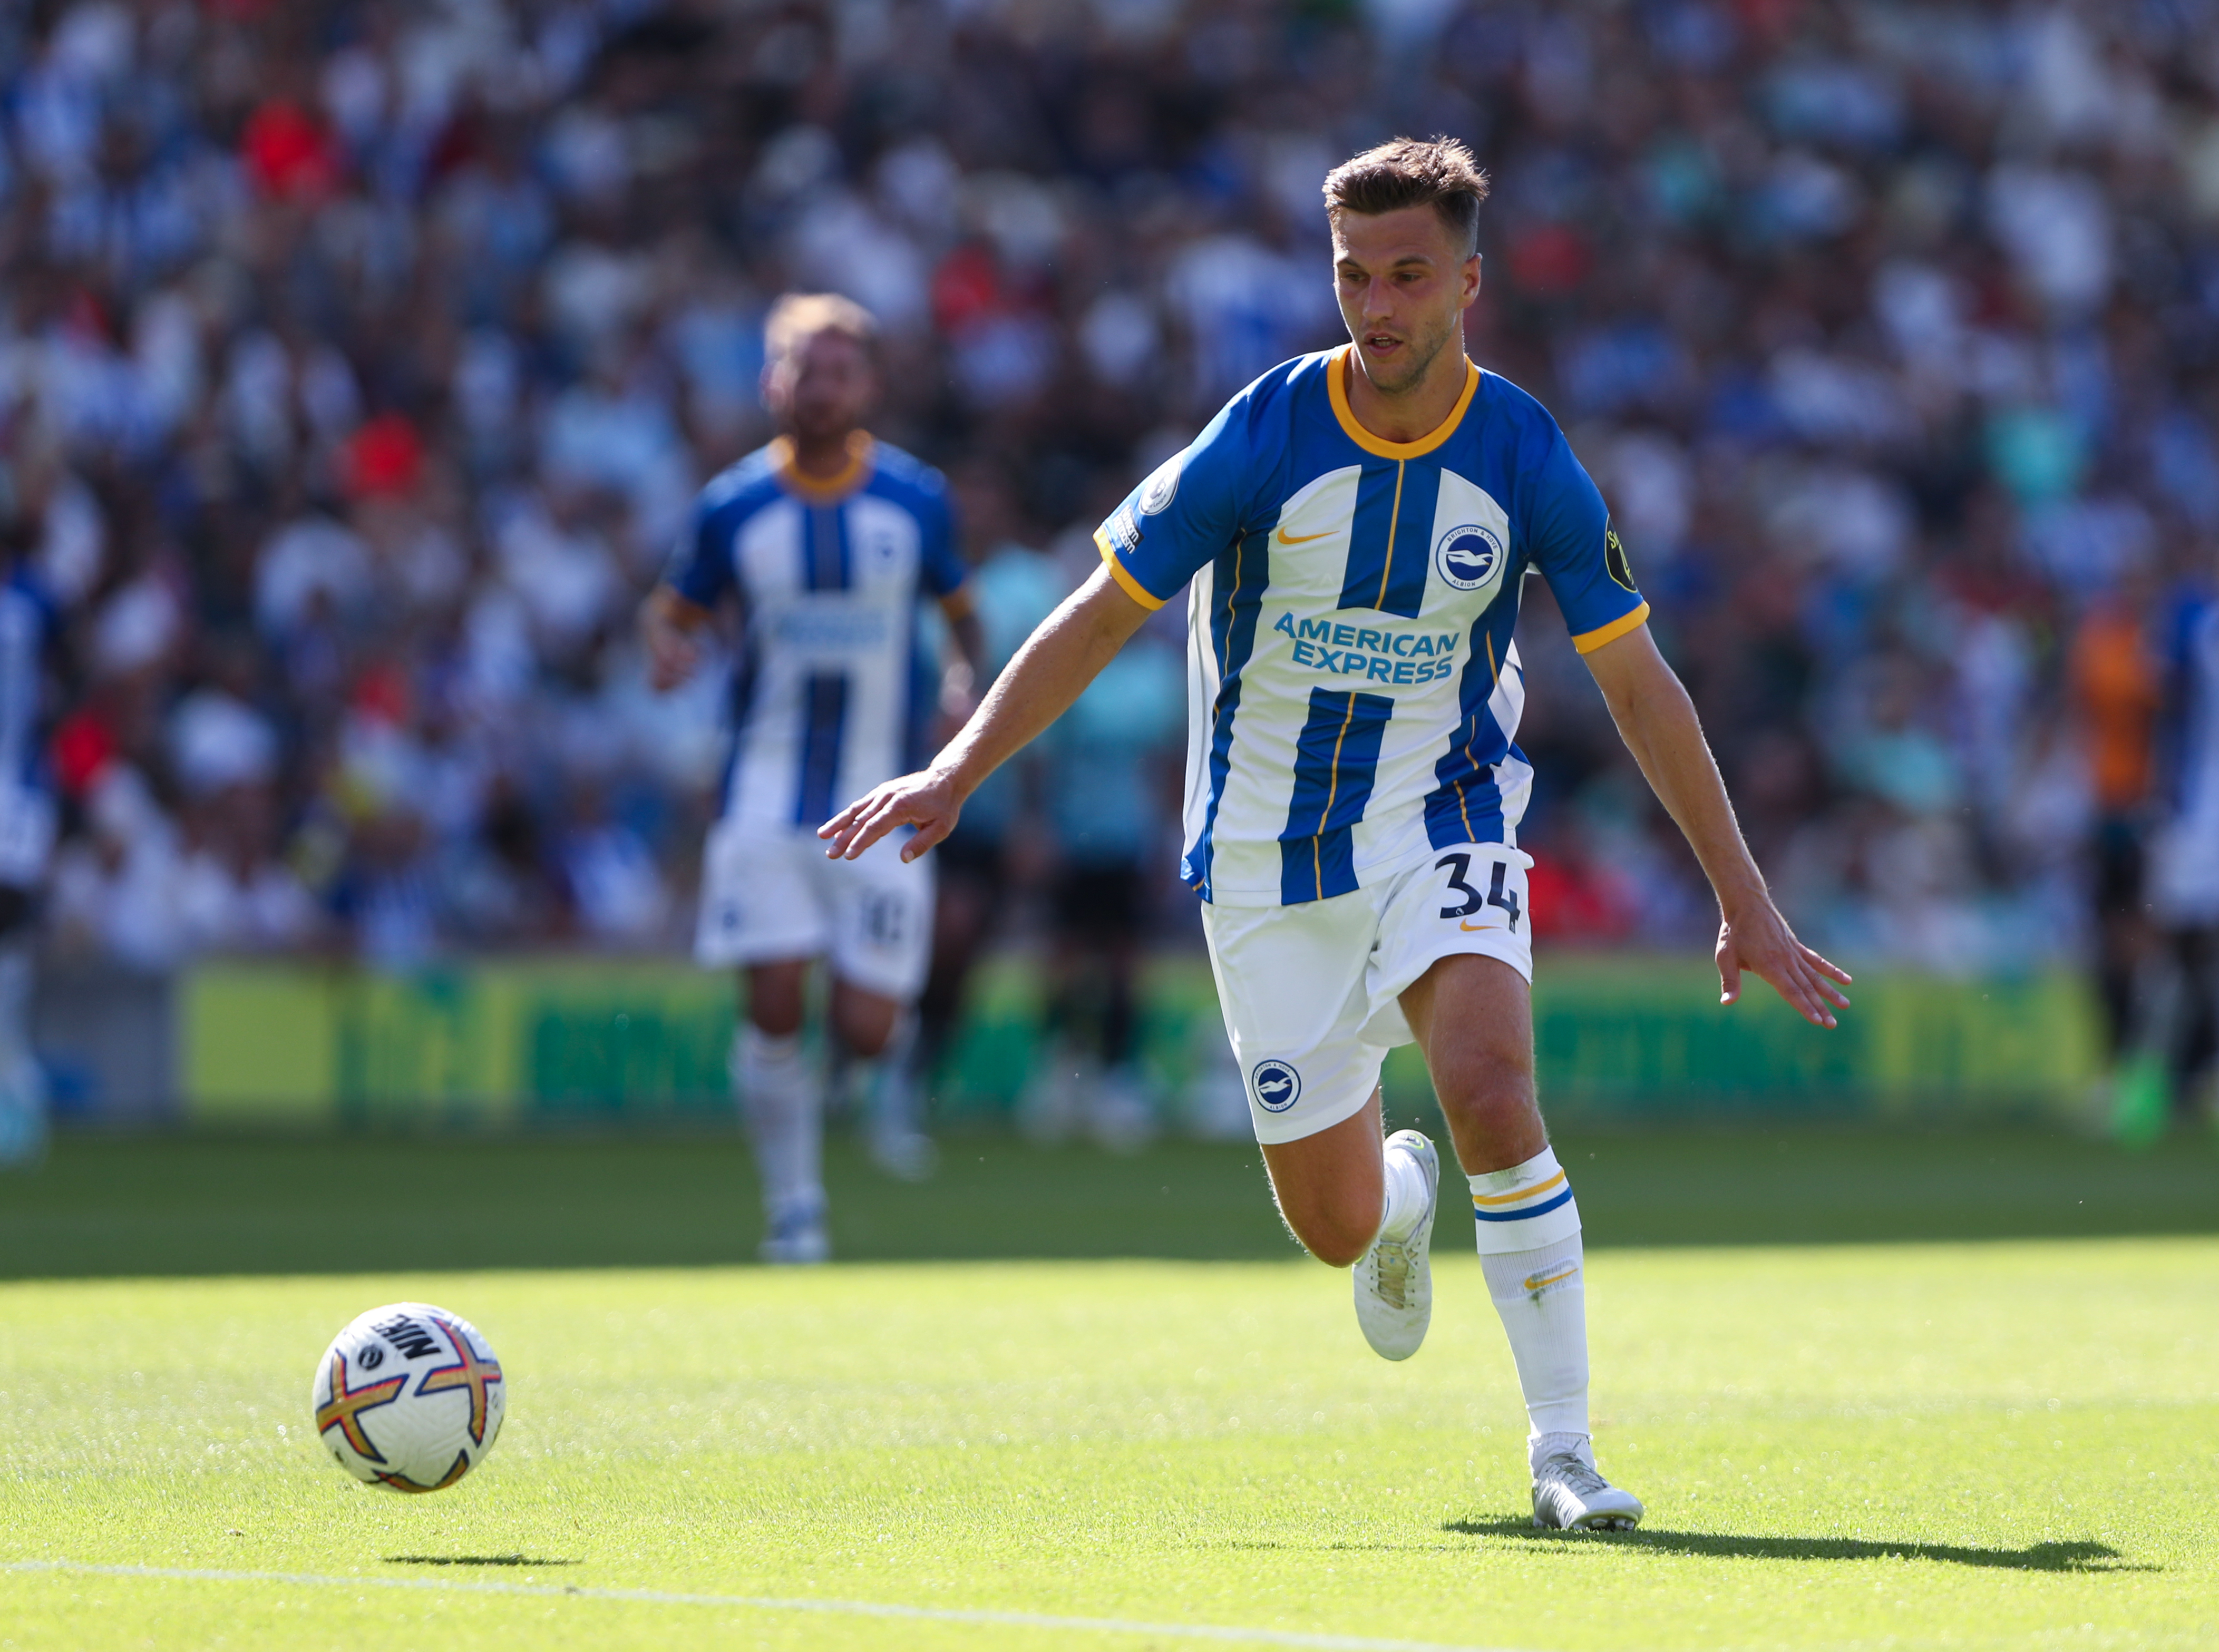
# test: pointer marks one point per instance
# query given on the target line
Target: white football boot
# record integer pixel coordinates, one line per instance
(1395, 1277)
(1570, 1495)
(798, 1239)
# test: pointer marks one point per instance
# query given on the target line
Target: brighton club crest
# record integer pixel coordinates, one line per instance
(1469, 557)
(1278, 1085)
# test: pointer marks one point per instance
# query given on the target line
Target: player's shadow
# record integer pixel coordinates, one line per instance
(473, 1560)
(1723, 1545)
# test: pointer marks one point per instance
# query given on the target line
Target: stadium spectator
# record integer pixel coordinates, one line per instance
(366, 342)
(2115, 684)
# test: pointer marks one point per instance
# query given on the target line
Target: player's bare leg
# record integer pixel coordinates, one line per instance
(775, 996)
(1474, 1020)
(1331, 1186)
(1357, 1202)
(1473, 1017)
(863, 1020)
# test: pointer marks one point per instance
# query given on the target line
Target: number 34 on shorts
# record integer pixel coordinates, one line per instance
(1498, 906)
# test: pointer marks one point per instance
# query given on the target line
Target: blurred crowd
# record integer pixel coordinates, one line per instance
(359, 361)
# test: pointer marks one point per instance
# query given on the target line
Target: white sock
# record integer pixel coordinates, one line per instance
(785, 1117)
(1406, 1194)
(1530, 1249)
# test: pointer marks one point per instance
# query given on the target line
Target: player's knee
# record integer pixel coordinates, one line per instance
(868, 1041)
(1484, 1070)
(1336, 1230)
(1342, 1244)
(864, 1021)
(775, 999)
(773, 1018)
(1493, 1090)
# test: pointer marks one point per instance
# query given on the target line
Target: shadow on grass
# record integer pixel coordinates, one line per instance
(1725, 1545)
(472, 1560)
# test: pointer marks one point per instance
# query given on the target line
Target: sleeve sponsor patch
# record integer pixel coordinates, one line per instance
(1613, 557)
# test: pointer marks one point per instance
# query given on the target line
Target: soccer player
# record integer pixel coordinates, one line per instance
(1356, 526)
(2184, 1018)
(826, 539)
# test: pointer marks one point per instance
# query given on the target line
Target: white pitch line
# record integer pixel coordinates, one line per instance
(763, 1603)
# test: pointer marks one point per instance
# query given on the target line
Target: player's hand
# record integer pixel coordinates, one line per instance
(671, 653)
(926, 801)
(1760, 942)
(958, 701)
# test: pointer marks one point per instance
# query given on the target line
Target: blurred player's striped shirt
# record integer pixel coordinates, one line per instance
(832, 692)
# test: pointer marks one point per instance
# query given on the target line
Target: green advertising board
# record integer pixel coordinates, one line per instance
(506, 1043)
(479, 1044)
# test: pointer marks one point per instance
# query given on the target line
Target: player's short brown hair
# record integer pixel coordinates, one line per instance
(798, 317)
(1439, 172)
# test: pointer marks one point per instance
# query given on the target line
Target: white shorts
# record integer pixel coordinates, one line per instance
(27, 835)
(770, 893)
(2184, 872)
(1310, 992)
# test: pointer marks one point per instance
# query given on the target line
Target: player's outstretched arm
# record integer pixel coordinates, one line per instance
(1657, 721)
(1049, 673)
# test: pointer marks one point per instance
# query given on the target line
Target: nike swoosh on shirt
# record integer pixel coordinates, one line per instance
(1469, 927)
(1286, 538)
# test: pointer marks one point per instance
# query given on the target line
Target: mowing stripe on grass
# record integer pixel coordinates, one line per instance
(763, 1603)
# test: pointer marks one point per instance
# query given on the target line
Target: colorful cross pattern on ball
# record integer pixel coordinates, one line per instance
(343, 1411)
(467, 1371)
(401, 1483)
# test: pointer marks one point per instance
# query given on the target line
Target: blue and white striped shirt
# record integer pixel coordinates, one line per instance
(1353, 691)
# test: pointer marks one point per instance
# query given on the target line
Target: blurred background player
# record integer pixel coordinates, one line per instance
(2118, 693)
(28, 622)
(992, 856)
(826, 540)
(2175, 1071)
(1108, 766)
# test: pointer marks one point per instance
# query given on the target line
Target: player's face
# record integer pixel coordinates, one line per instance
(822, 390)
(1404, 284)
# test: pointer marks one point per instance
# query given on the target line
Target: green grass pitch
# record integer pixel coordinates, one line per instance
(2009, 1443)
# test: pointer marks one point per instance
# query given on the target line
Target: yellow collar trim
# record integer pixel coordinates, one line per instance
(1336, 379)
(822, 490)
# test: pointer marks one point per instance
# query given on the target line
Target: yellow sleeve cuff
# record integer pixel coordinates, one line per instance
(1131, 586)
(1589, 642)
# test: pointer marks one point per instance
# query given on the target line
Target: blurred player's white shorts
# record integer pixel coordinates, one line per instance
(769, 893)
(2184, 872)
(27, 835)
(1309, 992)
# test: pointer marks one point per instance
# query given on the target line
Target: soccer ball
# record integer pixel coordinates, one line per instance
(409, 1396)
